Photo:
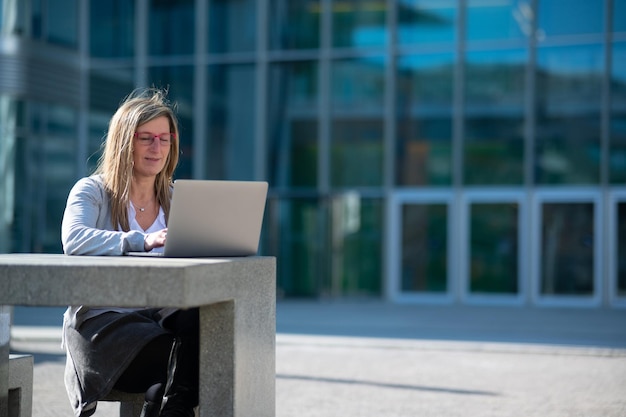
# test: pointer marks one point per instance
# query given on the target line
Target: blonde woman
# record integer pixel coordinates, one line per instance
(124, 207)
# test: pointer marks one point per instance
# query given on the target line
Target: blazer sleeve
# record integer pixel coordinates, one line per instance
(87, 228)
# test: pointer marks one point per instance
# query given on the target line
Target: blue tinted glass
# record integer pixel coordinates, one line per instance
(232, 25)
(570, 17)
(617, 154)
(230, 150)
(171, 27)
(294, 24)
(619, 11)
(112, 28)
(179, 82)
(507, 19)
(359, 23)
(426, 21)
(62, 22)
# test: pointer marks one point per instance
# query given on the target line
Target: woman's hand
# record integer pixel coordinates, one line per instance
(155, 240)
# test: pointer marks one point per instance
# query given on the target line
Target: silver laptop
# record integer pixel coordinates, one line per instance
(214, 219)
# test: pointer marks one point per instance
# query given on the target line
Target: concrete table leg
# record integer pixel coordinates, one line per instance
(238, 357)
(5, 338)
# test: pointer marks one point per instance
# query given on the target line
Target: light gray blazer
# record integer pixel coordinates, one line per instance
(87, 228)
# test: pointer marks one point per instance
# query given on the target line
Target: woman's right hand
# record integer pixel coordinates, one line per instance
(155, 240)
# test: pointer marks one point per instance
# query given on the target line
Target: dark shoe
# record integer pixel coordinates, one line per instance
(176, 406)
(179, 400)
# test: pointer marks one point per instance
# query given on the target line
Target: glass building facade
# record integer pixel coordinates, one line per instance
(427, 151)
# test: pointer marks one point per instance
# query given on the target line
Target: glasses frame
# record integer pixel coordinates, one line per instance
(154, 136)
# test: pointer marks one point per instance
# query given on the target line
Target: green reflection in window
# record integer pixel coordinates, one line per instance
(111, 28)
(426, 21)
(498, 20)
(356, 245)
(179, 82)
(621, 249)
(493, 263)
(617, 141)
(359, 23)
(292, 124)
(231, 150)
(559, 17)
(494, 110)
(569, 88)
(424, 248)
(294, 231)
(232, 26)
(294, 24)
(357, 149)
(171, 27)
(424, 119)
(567, 238)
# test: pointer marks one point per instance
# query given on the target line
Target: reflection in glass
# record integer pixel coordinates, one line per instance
(294, 232)
(494, 111)
(570, 18)
(621, 249)
(294, 24)
(61, 23)
(356, 245)
(357, 122)
(566, 253)
(107, 87)
(171, 27)
(231, 150)
(424, 119)
(493, 261)
(568, 104)
(498, 20)
(111, 28)
(617, 140)
(179, 82)
(619, 11)
(359, 23)
(292, 124)
(232, 26)
(424, 262)
(426, 21)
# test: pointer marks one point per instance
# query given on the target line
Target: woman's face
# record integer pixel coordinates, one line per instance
(152, 146)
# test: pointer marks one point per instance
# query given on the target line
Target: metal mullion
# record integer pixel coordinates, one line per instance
(141, 42)
(260, 142)
(200, 133)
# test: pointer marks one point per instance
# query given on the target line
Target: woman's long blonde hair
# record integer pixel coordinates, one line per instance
(116, 163)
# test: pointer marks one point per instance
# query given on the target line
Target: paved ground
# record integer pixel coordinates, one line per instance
(375, 359)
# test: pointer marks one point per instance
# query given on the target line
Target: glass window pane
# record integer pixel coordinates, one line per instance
(294, 233)
(62, 22)
(356, 246)
(171, 27)
(108, 86)
(426, 21)
(424, 119)
(619, 11)
(424, 263)
(293, 124)
(294, 24)
(359, 23)
(357, 122)
(179, 82)
(509, 19)
(493, 262)
(570, 17)
(569, 89)
(621, 249)
(494, 110)
(566, 254)
(232, 25)
(231, 148)
(617, 154)
(112, 28)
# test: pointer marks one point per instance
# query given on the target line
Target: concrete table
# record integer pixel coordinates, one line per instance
(236, 297)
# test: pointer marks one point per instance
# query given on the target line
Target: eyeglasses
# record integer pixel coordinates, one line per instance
(147, 138)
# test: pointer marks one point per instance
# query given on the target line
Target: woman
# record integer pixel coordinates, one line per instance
(124, 207)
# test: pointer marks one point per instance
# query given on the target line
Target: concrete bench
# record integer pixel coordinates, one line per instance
(130, 404)
(20, 401)
(236, 298)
